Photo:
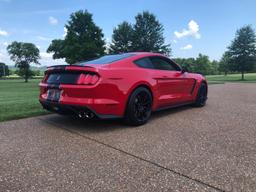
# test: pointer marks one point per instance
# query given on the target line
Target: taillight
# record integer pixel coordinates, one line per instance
(43, 90)
(88, 79)
(45, 78)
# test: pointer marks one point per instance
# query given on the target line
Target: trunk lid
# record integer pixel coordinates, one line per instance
(67, 74)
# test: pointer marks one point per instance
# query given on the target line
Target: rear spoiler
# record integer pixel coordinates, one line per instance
(70, 68)
(56, 67)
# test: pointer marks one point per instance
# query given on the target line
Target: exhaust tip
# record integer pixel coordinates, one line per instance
(85, 115)
(80, 115)
(89, 115)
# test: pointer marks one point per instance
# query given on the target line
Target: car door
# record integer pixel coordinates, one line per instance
(174, 86)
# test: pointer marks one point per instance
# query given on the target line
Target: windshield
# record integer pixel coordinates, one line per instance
(108, 59)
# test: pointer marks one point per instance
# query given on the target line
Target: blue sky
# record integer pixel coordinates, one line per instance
(191, 27)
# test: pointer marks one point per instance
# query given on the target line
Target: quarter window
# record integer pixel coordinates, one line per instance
(144, 63)
(163, 64)
(159, 63)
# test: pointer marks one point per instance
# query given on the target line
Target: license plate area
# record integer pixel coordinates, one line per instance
(53, 94)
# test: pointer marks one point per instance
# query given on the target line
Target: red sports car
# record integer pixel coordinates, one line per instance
(128, 85)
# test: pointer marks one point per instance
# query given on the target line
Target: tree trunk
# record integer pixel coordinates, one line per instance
(226, 73)
(242, 75)
(26, 76)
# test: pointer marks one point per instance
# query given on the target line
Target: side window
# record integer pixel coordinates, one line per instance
(144, 63)
(164, 64)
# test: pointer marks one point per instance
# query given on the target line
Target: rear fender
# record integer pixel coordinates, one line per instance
(146, 85)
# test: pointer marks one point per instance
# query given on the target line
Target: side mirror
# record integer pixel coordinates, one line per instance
(184, 69)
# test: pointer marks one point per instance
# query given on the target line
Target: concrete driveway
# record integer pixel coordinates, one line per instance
(184, 149)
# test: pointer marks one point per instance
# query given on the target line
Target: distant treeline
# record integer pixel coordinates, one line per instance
(84, 40)
(5, 70)
(203, 65)
(200, 64)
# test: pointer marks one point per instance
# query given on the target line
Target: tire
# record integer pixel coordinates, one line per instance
(201, 96)
(138, 110)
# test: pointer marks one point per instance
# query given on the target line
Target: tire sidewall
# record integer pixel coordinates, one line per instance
(129, 114)
(198, 102)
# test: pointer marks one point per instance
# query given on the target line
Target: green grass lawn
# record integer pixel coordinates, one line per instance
(19, 99)
(249, 78)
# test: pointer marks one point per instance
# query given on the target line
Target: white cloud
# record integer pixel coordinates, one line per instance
(107, 45)
(42, 38)
(3, 33)
(46, 59)
(65, 32)
(187, 47)
(50, 62)
(4, 56)
(193, 30)
(53, 20)
(5, 44)
(45, 55)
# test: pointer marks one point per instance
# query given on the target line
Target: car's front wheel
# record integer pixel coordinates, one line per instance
(201, 96)
(138, 109)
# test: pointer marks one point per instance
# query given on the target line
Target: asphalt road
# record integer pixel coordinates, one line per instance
(184, 149)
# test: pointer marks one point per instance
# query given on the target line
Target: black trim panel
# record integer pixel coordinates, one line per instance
(174, 106)
(193, 87)
(72, 109)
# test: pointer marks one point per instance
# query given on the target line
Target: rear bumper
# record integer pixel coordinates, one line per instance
(74, 110)
(104, 100)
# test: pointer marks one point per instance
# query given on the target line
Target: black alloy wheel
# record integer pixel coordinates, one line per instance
(201, 96)
(139, 107)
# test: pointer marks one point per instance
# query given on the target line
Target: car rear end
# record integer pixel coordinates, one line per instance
(80, 90)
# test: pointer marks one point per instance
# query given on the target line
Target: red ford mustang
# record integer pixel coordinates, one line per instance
(129, 85)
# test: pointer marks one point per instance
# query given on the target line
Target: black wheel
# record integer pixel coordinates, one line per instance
(138, 109)
(201, 96)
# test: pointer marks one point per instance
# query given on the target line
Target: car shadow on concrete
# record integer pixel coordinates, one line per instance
(103, 125)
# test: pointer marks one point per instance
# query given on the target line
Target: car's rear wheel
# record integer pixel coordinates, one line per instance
(138, 109)
(201, 96)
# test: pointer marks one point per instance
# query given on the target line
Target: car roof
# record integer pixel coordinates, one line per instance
(122, 56)
(138, 55)
(145, 53)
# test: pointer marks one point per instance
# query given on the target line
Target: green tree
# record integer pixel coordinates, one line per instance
(202, 64)
(36, 72)
(214, 66)
(83, 41)
(11, 71)
(122, 38)
(28, 73)
(23, 54)
(224, 64)
(187, 63)
(242, 51)
(148, 34)
(57, 47)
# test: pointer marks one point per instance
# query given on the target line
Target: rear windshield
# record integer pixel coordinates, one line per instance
(108, 59)
(63, 78)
